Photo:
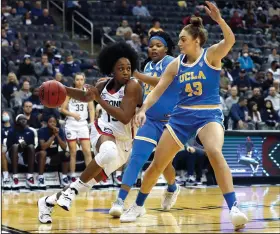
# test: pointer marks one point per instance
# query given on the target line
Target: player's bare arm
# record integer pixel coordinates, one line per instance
(165, 80)
(132, 98)
(151, 80)
(218, 51)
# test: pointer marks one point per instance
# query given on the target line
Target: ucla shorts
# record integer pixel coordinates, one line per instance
(186, 123)
(151, 131)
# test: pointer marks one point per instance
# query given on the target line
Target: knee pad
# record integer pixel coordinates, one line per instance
(65, 157)
(107, 153)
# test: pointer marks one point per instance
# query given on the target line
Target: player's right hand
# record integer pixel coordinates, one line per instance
(76, 116)
(140, 118)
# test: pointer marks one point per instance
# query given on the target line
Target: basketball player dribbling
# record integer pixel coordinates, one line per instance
(160, 53)
(76, 126)
(112, 134)
(197, 72)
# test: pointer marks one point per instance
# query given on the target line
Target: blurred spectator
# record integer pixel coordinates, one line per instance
(186, 20)
(139, 29)
(22, 94)
(274, 56)
(32, 119)
(11, 86)
(56, 62)
(261, 17)
(26, 68)
(21, 10)
(59, 77)
(259, 41)
(246, 61)
(258, 80)
(273, 10)
(242, 82)
(37, 11)
(10, 32)
(269, 115)
(5, 41)
(14, 18)
(20, 145)
(70, 67)
(43, 68)
(268, 81)
(225, 110)
(49, 139)
(233, 98)
(144, 44)
(238, 114)
(274, 21)
(140, 10)
(123, 29)
(236, 70)
(224, 83)
(254, 114)
(4, 66)
(47, 112)
(236, 23)
(37, 106)
(27, 19)
(49, 49)
(250, 22)
(273, 43)
(156, 27)
(6, 127)
(45, 19)
(275, 70)
(257, 98)
(135, 42)
(15, 57)
(124, 9)
(274, 97)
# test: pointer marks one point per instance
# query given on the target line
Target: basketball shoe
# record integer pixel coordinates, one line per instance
(66, 198)
(169, 199)
(45, 210)
(132, 213)
(117, 208)
(41, 183)
(237, 218)
(6, 183)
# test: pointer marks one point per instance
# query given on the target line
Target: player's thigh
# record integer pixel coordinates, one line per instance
(102, 139)
(212, 136)
(71, 133)
(166, 150)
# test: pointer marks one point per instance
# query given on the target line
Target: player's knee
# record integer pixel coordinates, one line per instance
(65, 156)
(157, 167)
(213, 151)
(107, 152)
(42, 154)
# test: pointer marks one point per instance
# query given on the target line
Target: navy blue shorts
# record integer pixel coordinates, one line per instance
(186, 123)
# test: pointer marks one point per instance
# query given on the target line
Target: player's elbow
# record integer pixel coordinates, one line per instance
(125, 120)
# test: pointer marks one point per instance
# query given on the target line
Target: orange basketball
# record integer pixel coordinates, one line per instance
(52, 94)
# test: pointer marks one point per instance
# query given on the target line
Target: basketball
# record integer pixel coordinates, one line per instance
(52, 94)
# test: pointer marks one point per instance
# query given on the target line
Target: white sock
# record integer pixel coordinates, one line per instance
(5, 174)
(52, 199)
(118, 173)
(29, 175)
(91, 183)
(73, 174)
(63, 176)
(80, 186)
(41, 177)
(15, 176)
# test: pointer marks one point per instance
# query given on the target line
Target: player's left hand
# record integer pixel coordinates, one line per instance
(213, 11)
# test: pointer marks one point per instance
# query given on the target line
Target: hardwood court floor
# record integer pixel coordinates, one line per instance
(197, 210)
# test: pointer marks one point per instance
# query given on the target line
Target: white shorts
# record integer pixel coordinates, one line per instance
(20, 159)
(76, 130)
(124, 149)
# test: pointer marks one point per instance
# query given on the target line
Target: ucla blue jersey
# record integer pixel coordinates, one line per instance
(162, 109)
(199, 82)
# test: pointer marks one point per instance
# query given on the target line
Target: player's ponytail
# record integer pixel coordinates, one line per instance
(197, 30)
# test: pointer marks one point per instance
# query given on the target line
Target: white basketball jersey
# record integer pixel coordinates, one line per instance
(109, 124)
(78, 107)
